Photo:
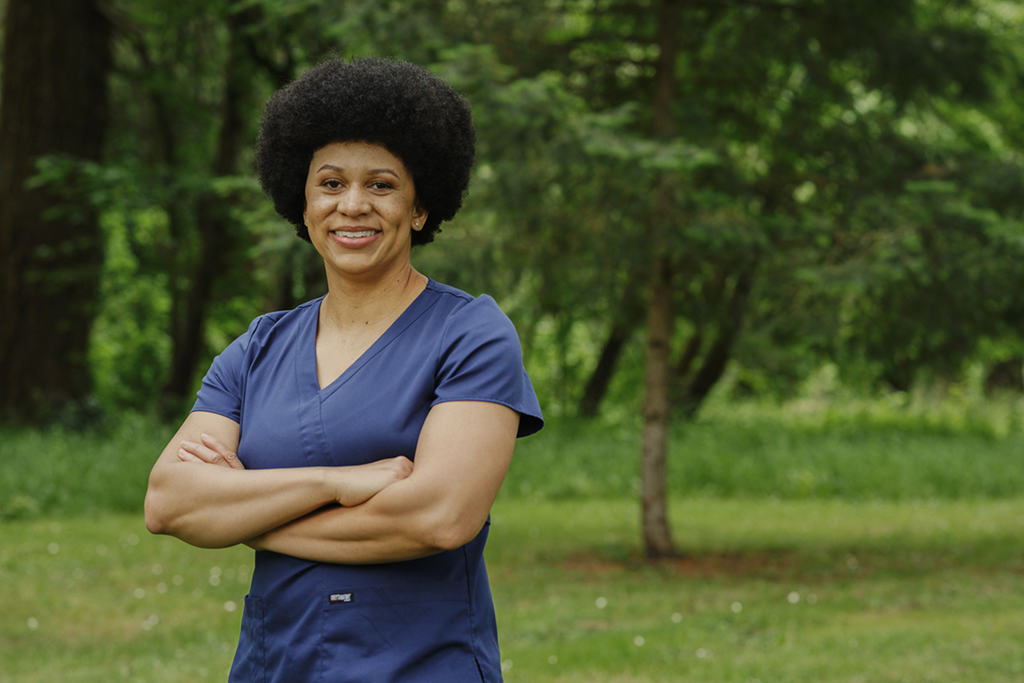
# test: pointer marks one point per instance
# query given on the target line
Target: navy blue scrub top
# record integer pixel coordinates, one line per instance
(422, 620)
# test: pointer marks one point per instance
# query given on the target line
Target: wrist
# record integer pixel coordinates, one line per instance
(331, 484)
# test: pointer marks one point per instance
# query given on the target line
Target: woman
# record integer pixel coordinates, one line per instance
(358, 441)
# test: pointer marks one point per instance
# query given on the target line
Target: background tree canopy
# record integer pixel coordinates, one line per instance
(755, 188)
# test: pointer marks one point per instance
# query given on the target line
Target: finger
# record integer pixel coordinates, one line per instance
(199, 451)
(228, 457)
(214, 443)
(185, 456)
(204, 453)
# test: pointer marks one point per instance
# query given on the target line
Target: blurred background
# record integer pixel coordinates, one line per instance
(764, 257)
(820, 187)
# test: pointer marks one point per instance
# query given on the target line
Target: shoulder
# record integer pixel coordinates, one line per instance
(464, 312)
(269, 326)
(480, 357)
(464, 319)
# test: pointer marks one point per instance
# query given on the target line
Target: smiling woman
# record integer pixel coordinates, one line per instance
(361, 210)
(358, 442)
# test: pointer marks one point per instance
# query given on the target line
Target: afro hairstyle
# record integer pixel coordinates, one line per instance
(400, 106)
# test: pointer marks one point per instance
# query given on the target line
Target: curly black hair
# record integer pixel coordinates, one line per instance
(400, 106)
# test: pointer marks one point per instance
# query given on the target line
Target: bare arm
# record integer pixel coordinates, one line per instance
(214, 507)
(463, 453)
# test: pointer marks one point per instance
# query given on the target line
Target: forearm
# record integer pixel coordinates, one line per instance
(402, 522)
(212, 507)
(461, 458)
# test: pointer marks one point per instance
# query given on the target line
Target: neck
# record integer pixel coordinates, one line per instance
(359, 304)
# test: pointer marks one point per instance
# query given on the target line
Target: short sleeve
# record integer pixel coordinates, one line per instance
(223, 385)
(481, 360)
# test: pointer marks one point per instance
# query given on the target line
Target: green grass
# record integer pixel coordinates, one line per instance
(61, 472)
(861, 542)
(769, 591)
(856, 451)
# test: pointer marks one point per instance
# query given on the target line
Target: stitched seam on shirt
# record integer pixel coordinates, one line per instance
(472, 610)
(444, 338)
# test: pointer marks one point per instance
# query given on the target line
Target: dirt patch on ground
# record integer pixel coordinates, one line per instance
(783, 564)
(766, 564)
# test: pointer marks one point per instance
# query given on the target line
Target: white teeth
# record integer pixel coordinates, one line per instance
(353, 235)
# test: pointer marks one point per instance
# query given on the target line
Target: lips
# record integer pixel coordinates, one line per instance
(354, 234)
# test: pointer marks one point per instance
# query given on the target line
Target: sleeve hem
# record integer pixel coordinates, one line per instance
(528, 422)
(216, 411)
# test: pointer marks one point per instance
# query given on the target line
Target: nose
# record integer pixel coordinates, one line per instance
(355, 201)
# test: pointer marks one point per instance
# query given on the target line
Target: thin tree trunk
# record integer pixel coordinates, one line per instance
(718, 354)
(654, 440)
(214, 222)
(601, 377)
(689, 354)
(56, 60)
(629, 314)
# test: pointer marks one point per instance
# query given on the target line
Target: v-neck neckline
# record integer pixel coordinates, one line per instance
(307, 367)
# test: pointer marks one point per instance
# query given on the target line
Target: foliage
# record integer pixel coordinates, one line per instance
(857, 165)
(74, 471)
(892, 448)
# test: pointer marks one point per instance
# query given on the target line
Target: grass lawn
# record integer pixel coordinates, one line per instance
(771, 591)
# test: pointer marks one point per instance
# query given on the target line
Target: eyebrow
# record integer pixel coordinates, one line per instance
(372, 171)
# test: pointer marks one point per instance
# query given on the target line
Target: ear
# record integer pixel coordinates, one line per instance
(419, 218)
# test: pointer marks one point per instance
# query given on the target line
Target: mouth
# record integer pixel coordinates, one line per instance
(354, 234)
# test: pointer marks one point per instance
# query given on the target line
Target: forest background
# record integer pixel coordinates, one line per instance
(778, 238)
(668, 195)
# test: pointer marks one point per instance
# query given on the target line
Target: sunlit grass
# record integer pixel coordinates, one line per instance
(867, 541)
(769, 591)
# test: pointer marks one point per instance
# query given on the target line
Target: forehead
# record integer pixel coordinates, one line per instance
(357, 157)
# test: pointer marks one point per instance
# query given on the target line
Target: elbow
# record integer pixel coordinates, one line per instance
(156, 523)
(159, 508)
(452, 532)
(154, 507)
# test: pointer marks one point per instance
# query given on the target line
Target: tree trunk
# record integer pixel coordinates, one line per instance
(214, 222)
(718, 354)
(657, 374)
(654, 441)
(689, 355)
(54, 101)
(601, 377)
(628, 315)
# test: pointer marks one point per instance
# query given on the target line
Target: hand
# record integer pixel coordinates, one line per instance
(211, 451)
(357, 484)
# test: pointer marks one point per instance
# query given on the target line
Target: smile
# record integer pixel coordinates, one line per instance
(354, 234)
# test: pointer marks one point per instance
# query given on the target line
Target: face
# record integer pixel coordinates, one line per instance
(360, 210)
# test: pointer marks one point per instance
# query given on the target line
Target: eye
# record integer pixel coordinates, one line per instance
(381, 185)
(332, 183)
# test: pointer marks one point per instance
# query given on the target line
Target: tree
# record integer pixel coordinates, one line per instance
(812, 110)
(54, 102)
(660, 313)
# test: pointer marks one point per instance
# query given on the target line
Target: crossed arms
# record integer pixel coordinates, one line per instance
(386, 511)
